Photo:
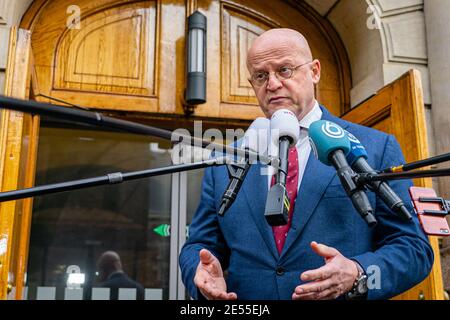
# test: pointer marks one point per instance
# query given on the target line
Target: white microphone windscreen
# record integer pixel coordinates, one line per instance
(284, 123)
(257, 135)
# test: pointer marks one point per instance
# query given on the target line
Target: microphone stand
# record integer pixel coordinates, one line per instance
(363, 178)
(419, 164)
(432, 219)
(111, 178)
(405, 171)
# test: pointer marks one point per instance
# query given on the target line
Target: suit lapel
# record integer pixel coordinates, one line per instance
(316, 179)
(255, 191)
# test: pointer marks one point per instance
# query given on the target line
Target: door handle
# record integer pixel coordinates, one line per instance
(9, 288)
(421, 295)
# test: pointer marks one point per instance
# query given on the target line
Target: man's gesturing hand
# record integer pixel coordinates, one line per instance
(332, 280)
(209, 278)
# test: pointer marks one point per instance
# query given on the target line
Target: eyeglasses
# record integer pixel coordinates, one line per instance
(259, 78)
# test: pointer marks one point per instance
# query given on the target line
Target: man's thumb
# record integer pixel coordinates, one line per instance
(206, 257)
(323, 250)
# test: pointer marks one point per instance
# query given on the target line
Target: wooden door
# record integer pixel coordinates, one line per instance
(130, 55)
(232, 27)
(109, 54)
(18, 147)
(398, 109)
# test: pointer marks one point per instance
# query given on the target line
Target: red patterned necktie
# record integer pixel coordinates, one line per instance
(280, 232)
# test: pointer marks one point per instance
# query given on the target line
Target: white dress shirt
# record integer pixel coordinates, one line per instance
(303, 146)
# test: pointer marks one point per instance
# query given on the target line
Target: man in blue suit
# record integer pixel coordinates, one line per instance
(328, 252)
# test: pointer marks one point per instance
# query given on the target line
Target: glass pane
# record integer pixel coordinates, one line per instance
(130, 221)
(196, 43)
(194, 189)
(195, 177)
(194, 186)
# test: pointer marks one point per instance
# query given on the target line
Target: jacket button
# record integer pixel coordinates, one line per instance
(280, 271)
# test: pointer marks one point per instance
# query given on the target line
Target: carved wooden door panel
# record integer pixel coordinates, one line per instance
(110, 54)
(130, 55)
(232, 27)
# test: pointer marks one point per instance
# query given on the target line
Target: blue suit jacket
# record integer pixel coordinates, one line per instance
(396, 254)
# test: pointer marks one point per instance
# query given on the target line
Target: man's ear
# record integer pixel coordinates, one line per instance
(316, 70)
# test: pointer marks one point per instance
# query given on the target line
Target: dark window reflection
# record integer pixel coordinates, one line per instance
(111, 275)
(71, 230)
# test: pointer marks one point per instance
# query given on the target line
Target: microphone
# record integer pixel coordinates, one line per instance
(357, 159)
(255, 139)
(285, 132)
(330, 145)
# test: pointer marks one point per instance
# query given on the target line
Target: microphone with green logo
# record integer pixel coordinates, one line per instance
(357, 158)
(330, 145)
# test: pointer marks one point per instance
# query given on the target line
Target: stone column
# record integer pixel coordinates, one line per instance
(437, 17)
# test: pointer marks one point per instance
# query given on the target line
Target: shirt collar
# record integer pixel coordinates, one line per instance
(314, 115)
(114, 273)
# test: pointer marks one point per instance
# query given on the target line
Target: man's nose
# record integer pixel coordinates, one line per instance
(273, 83)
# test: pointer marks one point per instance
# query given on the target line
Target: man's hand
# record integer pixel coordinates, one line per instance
(209, 278)
(332, 280)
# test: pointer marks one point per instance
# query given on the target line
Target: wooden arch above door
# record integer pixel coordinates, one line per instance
(129, 55)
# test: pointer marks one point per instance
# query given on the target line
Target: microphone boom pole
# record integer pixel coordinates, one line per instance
(419, 164)
(111, 178)
(364, 178)
(98, 119)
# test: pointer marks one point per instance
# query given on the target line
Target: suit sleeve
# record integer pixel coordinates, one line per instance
(204, 232)
(402, 256)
